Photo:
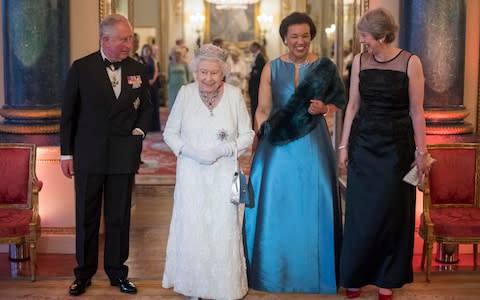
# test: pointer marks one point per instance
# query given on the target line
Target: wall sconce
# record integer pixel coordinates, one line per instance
(265, 22)
(330, 31)
(197, 21)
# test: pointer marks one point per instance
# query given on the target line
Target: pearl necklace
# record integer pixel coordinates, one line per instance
(209, 99)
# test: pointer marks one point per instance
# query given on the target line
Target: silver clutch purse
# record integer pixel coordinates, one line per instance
(240, 192)
(412, 176)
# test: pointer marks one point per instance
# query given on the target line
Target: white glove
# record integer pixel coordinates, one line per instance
(225, 149)
(204, 157)
(209, 156)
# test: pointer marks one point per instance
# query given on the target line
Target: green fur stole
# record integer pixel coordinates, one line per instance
(293, 121)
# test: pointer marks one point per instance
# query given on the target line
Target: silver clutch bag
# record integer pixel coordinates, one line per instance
(240, 193)
(412, 176)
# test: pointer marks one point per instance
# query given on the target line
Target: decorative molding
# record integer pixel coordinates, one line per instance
(442, 115)
(58, 230)
(30, 129)
(102, 10)
(106, 7)
(447, 121)
(289, 6)
(48, 161)
(26, 114)
(446, 129)
(179, 9)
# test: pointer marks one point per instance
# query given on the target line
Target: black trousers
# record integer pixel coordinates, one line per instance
(116, 191)
(253, 94)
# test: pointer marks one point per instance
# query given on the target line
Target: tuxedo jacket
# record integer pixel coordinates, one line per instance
(96, 127)
(255, 73)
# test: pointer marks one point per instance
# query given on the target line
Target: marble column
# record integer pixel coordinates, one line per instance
(435, 31)
(36, 60)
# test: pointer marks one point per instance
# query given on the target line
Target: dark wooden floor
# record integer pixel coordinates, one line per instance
(150, 221)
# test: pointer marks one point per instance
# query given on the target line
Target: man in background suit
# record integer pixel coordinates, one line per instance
(105, 115)
(254, 76)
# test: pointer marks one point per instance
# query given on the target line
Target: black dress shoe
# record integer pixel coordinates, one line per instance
(126, 286)
(79, 286)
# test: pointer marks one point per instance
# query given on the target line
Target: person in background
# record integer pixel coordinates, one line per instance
(383, 133)
(178, 75)
(258, 62)
(179, 45)
(238, 69)
(208, 125)
(135, 47)
(293, 230)
(218, 41)
(150, 63)
(106, 112)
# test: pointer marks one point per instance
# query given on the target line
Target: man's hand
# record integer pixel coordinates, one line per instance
(67, 167)
(137, 132)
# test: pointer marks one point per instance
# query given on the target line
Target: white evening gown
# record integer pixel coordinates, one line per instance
(205, 252)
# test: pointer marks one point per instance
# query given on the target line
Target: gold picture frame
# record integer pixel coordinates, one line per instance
(237, 27)
(124, 7)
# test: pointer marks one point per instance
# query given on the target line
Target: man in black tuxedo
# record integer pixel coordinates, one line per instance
(254, 76)
(105, 115)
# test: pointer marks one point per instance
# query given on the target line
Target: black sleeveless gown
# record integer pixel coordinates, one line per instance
(380, 208)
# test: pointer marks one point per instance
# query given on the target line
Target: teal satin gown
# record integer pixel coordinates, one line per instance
(293, 230)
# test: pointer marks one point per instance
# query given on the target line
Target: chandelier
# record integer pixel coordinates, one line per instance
(232, 4)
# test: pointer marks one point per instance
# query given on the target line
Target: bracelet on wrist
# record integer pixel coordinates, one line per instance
(342, 147)
(328, 109)
(420, 153)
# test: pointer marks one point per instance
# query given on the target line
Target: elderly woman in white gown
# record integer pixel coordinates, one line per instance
(209, 122)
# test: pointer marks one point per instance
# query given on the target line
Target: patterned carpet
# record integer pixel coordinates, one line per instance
(159, 162)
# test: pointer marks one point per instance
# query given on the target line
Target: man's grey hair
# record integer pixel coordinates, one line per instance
(109, 22)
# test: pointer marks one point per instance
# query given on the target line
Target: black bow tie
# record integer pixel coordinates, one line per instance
(112, 65)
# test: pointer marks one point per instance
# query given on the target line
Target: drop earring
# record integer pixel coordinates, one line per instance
(285, 42)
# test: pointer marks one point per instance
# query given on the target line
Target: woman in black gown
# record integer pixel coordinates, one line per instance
(383, 133)
(152, 75)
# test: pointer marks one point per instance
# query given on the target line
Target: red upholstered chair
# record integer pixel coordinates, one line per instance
(451, 205)
(19, 187)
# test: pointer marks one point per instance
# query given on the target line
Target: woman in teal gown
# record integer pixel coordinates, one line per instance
(178, 75)
(292, 229)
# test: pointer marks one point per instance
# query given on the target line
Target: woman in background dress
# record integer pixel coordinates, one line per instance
(152, 75)
(209, 122)
(238, 70)
(178, 75)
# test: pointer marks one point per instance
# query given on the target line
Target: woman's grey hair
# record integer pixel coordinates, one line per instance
(380, 23)
(212, 53)
(108, 23)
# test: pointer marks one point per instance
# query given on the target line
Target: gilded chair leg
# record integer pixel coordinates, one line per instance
(475, 255)
(33, 259)
(429, 260)
(422, 263)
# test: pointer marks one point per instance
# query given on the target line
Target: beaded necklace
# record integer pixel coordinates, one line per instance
(209, 99)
